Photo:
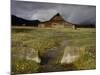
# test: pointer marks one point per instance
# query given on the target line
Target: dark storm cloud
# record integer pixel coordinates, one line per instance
(77, 14)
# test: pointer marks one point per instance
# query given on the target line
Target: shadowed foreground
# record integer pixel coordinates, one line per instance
(37, 50)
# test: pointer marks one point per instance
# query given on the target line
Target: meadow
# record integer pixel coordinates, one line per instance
(45, 39)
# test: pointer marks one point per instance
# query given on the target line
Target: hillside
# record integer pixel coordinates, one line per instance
(20, 21)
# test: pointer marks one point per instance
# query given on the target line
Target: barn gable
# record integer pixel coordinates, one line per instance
(55, 21)
(57, 18)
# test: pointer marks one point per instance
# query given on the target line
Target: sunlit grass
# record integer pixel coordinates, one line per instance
(43, 39)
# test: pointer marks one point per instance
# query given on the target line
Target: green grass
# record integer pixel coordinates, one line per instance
(44, 39)
(24, 66)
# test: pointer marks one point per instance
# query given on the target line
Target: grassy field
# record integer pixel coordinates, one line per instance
(43, 39)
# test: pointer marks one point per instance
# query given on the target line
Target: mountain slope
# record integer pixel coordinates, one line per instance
(20, 21)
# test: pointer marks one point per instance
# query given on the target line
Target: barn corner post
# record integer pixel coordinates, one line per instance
(74, 27)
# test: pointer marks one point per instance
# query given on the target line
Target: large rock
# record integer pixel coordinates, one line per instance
(26, 54)
(32, 54)
(70, 55)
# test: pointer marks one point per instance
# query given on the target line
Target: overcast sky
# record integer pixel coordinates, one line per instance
(77, 14)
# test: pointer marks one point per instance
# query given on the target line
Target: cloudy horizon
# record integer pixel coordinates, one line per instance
(77, 14)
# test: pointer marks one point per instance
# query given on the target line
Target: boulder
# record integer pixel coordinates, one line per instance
(32, 54)
(70, 55)
(25, 53)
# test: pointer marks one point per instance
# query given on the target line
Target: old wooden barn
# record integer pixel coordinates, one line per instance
(56, 22)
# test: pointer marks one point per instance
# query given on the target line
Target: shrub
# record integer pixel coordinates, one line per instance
(24, 66)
